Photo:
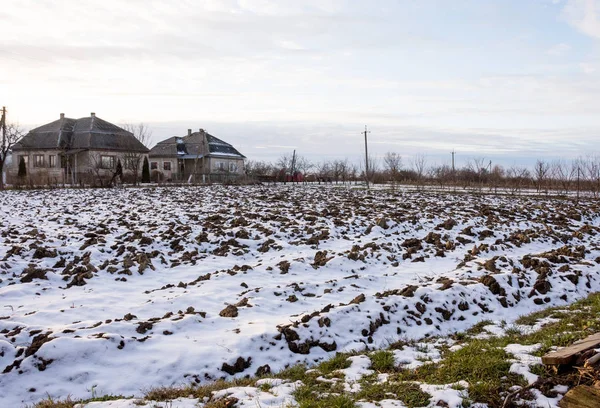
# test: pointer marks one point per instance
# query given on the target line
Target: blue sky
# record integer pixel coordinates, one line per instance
(509, 80)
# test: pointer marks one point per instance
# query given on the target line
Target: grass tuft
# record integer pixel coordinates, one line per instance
(338, 362)
(383, 361)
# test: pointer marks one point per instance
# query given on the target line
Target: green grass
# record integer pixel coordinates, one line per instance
(338, 362)
(196, 391)
(383, 361)
(68, 402)
(482, 363)
(330, 401)
(408, 392)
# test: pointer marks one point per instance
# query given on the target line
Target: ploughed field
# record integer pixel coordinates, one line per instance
(118, 291)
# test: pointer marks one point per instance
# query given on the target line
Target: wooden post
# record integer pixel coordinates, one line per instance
(366, 158)
(582, 396)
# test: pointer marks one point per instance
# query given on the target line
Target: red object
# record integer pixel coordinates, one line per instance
(296, 177)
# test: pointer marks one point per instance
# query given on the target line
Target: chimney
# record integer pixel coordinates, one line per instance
(93, 114)
(189, 132)
(62, 116)
(202, 131)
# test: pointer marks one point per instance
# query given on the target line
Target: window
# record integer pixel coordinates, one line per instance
(107, 162)
(232, 167)
(38, 160)
(220, 165)
(25, 159)
(167, 166)
(64, 162)
(153, 165)
(51, 161)
(131, 163)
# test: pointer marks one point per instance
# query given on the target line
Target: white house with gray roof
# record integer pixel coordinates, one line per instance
(198, 156)
(75, 150)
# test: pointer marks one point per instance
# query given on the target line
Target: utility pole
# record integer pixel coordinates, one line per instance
(293, 164)
(453, 170)
(366, 157)
(3, 124)
(4, 148)
(578, 184)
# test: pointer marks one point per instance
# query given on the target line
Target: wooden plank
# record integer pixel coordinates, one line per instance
(567, 354)
(582, 396)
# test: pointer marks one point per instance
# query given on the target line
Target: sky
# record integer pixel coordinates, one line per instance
(508, 80)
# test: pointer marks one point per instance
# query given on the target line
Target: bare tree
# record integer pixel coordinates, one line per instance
(323, 171)
(11, 133)
(285, 162)
(258, 169)
(373, 165)
(497, 175)
(442, 174)
(592, 173)
(337, 170)
(303, 165)
(564, 173)
(541, 171)
(393, 163)
(96, 168)
(133, 160)
(517, 177)
(344, 167)
(353, 172)
(479, 166)
(419, 163)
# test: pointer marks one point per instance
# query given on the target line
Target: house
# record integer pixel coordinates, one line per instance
(199, 157)
(84, 150)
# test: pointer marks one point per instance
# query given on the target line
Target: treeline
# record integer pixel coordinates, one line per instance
(557, 176)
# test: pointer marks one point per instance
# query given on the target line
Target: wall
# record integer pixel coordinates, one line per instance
(214, 165)
(55, 172)
(83, 165)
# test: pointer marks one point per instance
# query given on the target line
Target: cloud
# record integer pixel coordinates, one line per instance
(587, 67)
(583, 15)
(271, 75)
(559, 49)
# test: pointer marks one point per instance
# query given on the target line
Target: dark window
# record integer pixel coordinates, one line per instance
(167, 166)
(107, 162)
(153, 165)
(131, 163)
(38, 160)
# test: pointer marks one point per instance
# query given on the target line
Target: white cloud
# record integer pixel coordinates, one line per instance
(587, 67)
(423, 73)
(559, 49)
(583, 15)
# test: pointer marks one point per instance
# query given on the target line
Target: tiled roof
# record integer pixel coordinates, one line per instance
(84, 133)
(218, 147)
(191, 146)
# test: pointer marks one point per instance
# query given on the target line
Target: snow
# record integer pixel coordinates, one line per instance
(251, 397)
(523, 360)
(451, 394)
(411, 357)
(542, 401)
(131, 403)
(385, 403)
(158, 265)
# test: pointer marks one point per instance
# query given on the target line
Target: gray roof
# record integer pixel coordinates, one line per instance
(190, 147)
(84, 133)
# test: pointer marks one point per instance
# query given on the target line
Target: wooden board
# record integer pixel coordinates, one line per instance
(581, 396)
(567, 354)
